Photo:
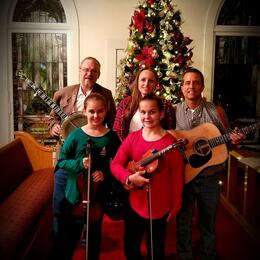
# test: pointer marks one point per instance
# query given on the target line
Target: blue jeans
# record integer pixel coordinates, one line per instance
(205, 193)
(66, 233)
(60, 181)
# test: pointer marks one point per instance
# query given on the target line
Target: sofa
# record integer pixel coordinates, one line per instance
(26, 187)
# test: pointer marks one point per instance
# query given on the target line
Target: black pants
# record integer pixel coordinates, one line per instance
(135, 228)
(66, 239)
(69, 235)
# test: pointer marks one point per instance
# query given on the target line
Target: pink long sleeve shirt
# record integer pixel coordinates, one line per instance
(166, 181)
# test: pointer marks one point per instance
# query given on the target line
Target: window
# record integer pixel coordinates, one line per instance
(237, 62)
(236, 74)
(39, 11)
(240, 12)
(42, 57)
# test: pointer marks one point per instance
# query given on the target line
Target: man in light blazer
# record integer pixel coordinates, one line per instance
(71, 98)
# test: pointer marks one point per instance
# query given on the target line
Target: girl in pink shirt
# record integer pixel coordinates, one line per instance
(166, 182)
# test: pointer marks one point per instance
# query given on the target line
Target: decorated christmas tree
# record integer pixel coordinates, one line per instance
(156, 40)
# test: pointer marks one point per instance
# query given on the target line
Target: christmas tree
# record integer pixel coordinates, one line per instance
(156, 40)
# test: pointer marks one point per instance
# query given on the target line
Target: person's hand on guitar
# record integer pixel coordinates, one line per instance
(237, 136)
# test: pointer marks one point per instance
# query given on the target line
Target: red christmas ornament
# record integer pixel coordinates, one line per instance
(139, 19)
(150, 2)
(145, 57)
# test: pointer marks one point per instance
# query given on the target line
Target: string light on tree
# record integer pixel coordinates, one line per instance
(156, 39)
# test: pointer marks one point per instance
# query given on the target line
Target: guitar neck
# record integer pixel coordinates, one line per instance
(47, 100)
(222, 139)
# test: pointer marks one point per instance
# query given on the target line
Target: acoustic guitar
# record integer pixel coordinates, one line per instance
(206, 147)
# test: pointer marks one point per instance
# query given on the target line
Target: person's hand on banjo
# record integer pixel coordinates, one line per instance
(56, 130)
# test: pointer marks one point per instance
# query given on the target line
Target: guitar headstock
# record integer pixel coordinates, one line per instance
(21, 74)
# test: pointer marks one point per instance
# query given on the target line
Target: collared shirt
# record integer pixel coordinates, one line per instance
(206, 112)
(79, 105)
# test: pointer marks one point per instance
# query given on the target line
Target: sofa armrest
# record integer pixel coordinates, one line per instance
(40, 156)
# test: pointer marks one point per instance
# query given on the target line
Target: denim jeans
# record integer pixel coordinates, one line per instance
(205, 193)
(60, 180)
(66, 233)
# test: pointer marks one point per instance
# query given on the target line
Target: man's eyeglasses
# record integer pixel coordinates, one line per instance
(86, 70)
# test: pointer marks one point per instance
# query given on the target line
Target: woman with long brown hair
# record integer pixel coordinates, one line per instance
(127, 118)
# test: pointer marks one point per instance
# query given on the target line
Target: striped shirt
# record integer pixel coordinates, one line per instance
(187, 119)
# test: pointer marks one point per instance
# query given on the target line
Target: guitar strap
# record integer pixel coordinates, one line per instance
(216, 117)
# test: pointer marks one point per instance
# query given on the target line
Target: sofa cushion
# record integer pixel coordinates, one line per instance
(15, 167)
(20, 210)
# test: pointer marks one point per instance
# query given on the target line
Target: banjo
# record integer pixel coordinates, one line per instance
(68, 123)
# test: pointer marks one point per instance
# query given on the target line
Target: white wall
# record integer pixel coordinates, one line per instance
(98, 28)
(104, 27)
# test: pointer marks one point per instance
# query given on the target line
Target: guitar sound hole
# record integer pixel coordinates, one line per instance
(201, 147)
(197, 161)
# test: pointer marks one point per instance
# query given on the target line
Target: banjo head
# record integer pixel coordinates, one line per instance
(75, 120)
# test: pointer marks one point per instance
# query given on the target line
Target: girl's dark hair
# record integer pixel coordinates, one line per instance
(96, 97)
(136, 95)
(153, 97)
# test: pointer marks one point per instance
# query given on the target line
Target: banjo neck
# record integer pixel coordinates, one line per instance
(68, 122)
(53, 105)
(43, 96)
